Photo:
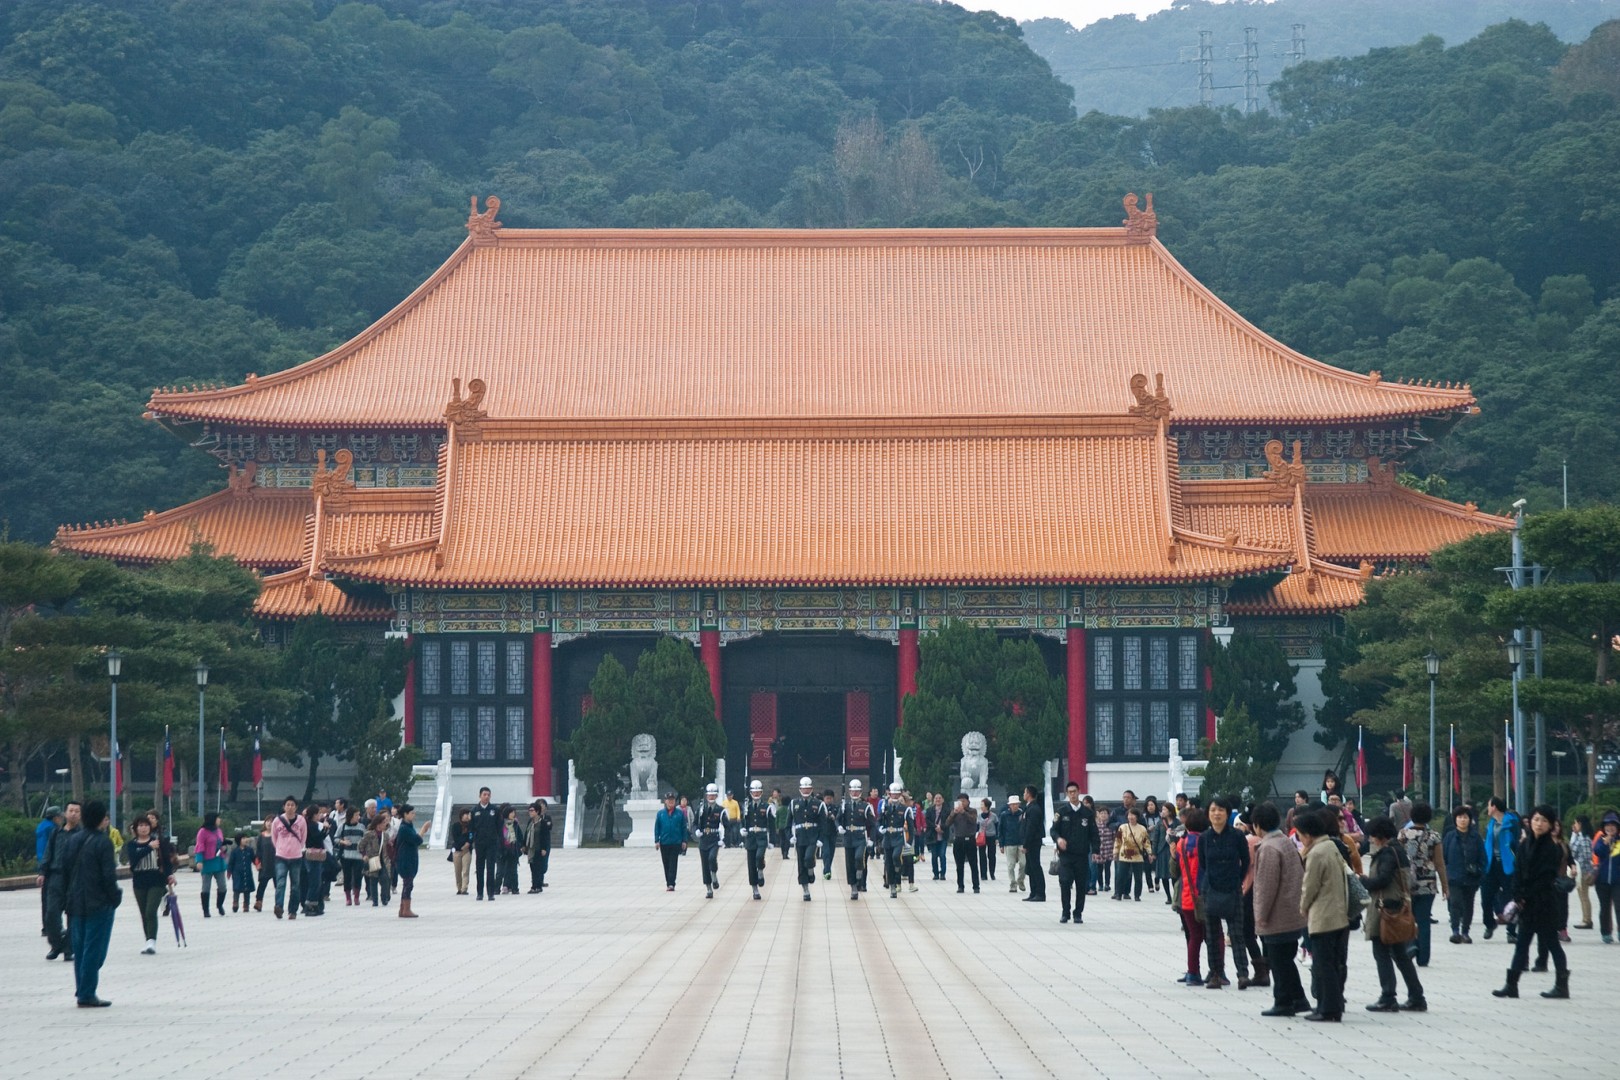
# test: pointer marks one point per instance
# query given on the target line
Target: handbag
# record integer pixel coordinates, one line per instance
(1052, 867)
(1564, 884)
(978, 839)
(1397, 927)
(374, 864)
(1222, 905)
(314, 854)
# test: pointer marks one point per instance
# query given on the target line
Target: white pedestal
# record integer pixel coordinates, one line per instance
(643, 813)
(574, 814)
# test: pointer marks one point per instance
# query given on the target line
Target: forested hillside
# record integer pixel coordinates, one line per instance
(1127, 65)
(196, 191)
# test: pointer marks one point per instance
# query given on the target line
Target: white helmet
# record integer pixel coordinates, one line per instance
(894, 788)
(854, 785)
(804, 782)
(756, 786)
(712, 789)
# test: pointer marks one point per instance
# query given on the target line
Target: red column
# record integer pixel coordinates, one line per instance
(432, 753)
(908, 669)
(1209, 689)
(709, 648)
(1076, 656)
(540, 712)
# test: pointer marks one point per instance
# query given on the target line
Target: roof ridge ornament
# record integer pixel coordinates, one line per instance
(1381, 474)
(334, 483)
(1284, 475)
(1141, 226)
(241, 479)
(1152, 407)
(463, 412)
(481, 228)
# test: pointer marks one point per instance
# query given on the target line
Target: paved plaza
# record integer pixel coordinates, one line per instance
(607, 975)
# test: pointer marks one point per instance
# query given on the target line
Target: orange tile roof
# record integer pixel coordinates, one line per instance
(258, 527)
(1326, 591)
(736, 323)
(528, 506)
(1385, 522)
(1249, 509)
(295, 595)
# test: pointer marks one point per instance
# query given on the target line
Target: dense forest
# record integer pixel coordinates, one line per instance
(195, 191)
(1128, 66)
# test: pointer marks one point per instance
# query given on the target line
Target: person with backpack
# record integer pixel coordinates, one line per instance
(1428, 862)
(1464, 854)
(1501, 838)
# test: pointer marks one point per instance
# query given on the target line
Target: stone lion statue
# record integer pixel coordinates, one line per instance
(644, 767)
(975, 765)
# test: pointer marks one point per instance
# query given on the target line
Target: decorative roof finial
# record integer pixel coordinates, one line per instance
(1141, 226)
(1284, 475)
(1153, 407)
(332, 483)
(481, 227)
(241, 480)
(464, 411)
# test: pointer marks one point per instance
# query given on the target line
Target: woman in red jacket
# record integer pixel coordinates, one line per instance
(1186, 869)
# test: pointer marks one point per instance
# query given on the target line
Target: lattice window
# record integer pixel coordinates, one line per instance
(329, 443)
(461, 667)
(1102, 662)
(1254, 442)
(1102, 729)
(1133, 729)
(431, 734)
(364, 447)
(1338, 443)
(1158, 663)
(485, 750)
(461, 732)
(516, 662)
(404, 447)
(1187, 662)
(1189, 727)
(486, 668)
(1131, 663)
(283, 448)
(432, 676)
(1215, 443)
(1158, 728)
(517, 740)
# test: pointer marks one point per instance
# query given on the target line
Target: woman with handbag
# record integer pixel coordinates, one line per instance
(986, 840)
(314, 859)
(1539, 882)
(1189, 904)
(1131, 845)
(1390, 925)
(354, 865)
(374, 849)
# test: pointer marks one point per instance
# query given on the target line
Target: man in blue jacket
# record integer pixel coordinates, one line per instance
(42, 843)
(1501, 837)
(93, 896)
(669, 833)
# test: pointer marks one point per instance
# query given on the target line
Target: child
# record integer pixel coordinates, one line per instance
(239, 868)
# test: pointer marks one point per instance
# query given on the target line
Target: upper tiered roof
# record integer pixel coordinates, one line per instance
(758, 324)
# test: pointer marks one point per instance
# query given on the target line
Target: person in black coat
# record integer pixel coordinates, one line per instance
(486, 835)
(1541, 861)
(1074, 830)
(1034, 837)
(93, 897)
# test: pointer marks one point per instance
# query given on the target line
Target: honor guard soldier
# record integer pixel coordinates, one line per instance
(710, 823)
(758, 817)
(894, 827)
(806, 816)
(856, 823)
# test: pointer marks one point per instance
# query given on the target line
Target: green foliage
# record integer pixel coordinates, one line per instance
(970, 680)
(1238, 765)
(381, 762)
(1254, 672)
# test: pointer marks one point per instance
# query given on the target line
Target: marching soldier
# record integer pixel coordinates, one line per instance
(894, 827)
(710, 823)
(806, 816)
(758, 818)
(856, 823)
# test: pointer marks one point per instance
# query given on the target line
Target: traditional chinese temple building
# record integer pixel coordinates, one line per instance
(800, 450)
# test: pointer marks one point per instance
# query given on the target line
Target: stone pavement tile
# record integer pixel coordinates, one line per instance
(607, 975)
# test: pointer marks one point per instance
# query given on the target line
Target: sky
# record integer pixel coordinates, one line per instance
(1078, 12)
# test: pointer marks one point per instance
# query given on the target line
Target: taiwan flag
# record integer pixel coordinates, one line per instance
(224, 766)
(1512, 764)
(1361, 763)
(168, 765)
(258, 763)
(1456, 780)
(118, 770)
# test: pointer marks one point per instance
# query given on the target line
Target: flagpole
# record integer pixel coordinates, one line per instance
(219, 781)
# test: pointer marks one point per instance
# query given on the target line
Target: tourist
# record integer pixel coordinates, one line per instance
(1278, 874)
(93, 897)
(1333, 821)
(934, 826)
(1605, 874)
(1131, 848)
(669, 834)
(829, 830)
(812, 821)
(908, 853)
(1034, 838)
(1387, 884)
(461, 848)
(315, 858)
(710, 826)
(407, 858)
(1223, 862)
(1010, 833)
(1580, 860)
(264, 861)
(374, 849)
(151, 862)
(1427, 858)
(287, 832)
(1164, 838)
(733, 820)
(895, 830)
(1331, 786)
(1149, 819)
(1102, 856)
(989, 829)
(537, 843)
(49, 822)
(1324, 901)
(239, 868)
(385, 805)
(352, 863)
(1501, 837)
(1189, 905)
(512, 847)
(59, 852)
(1463, 852)
(368, 813)
(486, 831)
(394, 822)
(1251, 939)
(857, 827)
(963, 826)
(208, 852)
(1539, 863)
(780, 827)
(1074, 829)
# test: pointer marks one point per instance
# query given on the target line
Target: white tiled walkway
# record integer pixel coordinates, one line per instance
(607, 975)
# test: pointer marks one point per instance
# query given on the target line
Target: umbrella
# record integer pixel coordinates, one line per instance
(172, 903)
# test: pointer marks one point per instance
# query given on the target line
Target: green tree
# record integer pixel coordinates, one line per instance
(1238, 765)
(601, 745)
(381, 761)
(1254, 672)
(672, 702)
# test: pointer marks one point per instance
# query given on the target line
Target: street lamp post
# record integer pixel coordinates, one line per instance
(1432, 663)
(202, 687)
(115, 668)
(1559, 755)
(1515, 653)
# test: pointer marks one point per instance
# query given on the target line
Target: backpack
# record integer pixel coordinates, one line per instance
(1420, 845)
